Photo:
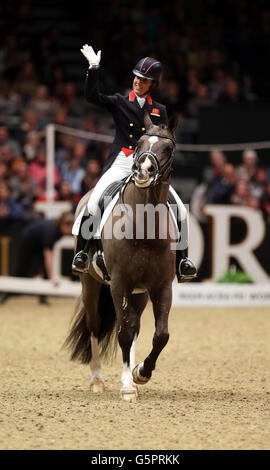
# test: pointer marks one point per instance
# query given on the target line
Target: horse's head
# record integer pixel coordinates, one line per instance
(154, 152)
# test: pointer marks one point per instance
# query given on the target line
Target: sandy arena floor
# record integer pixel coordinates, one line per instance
(211, 388)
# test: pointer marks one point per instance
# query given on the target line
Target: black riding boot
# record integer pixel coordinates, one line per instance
(80, 263)
(185, 269)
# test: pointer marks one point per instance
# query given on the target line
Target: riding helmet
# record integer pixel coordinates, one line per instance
(148, 68)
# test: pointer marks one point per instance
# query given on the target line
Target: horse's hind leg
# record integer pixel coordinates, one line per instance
(161, 300)
(96, 381)
(90, 296)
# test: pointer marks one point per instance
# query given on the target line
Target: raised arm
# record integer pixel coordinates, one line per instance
(91, 90)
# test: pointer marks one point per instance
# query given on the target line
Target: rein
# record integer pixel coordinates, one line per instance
(160, 171)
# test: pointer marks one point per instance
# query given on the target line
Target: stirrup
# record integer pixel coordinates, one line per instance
(184, 277)
(77, 269)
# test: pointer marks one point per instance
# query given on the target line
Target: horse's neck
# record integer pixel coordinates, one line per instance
(153, 195)
(140, 201)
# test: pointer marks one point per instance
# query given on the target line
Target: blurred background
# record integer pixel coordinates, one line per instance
(216, 59)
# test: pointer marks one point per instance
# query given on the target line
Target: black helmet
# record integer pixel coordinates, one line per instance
(148, 68)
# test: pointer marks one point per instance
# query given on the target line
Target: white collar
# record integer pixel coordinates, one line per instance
(141, 101)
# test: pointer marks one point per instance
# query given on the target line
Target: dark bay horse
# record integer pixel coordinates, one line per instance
(110, 311)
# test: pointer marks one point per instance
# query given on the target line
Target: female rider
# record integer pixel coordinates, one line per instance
(128, 113)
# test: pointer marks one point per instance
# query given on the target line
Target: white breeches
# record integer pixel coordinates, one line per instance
(121, 168)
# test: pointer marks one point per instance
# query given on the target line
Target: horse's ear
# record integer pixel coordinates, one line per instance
(147, 120)
(173, 122)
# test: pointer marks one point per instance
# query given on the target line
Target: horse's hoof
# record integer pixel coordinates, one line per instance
(139, 379)
(130, 395)
(97, 386)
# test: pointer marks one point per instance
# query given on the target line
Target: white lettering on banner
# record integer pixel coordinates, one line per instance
(196, 241)
(222, 250)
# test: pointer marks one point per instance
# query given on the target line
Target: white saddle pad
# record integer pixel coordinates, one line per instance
(106, 213)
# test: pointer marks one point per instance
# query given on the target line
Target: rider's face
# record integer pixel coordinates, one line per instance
(141, 86)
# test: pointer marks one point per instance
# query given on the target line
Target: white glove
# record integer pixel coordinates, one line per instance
(92, 58)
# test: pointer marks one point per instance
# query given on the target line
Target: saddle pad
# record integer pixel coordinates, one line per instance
(110, 192)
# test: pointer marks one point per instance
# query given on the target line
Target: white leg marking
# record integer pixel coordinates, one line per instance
(127, 379)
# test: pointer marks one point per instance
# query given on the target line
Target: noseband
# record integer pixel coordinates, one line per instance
(159, 171)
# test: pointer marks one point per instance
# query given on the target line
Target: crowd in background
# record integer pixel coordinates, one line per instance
(247, 184)
(211, 53)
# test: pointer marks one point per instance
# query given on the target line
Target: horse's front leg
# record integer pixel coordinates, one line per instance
(128, 318)
(162, 300)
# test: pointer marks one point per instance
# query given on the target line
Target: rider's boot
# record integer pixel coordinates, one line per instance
(185, 269)
(81, 261)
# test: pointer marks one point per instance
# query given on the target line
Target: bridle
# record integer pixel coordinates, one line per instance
(161, 172)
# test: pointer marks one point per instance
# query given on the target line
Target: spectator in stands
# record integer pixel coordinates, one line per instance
(222, 186)
(265, 202)
(217, 85)
(74, 174)
(23, 188)
(5, 140)
(174, 98)
(80, 152)
(38, 169)
(60, 116)
(240, 195)
(6, 155)
(64, 150)
(68, 95)
(27, 81)
(200, 99)
(36, 250)
(217, 162)
(257, 185)
(43, 104)
(4, 171)
(92, 175)
(10, 101)
(232, 93)
(247, 171)
(65, 194)
(94, 147)
(9, 209)
(254, 203)
(30, 133)
(32, 144)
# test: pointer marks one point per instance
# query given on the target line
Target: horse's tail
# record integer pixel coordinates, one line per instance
(79, 337)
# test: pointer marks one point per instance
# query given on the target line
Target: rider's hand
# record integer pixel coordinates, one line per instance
(90, 55)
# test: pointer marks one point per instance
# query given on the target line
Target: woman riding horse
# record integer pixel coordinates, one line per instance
(128, 113)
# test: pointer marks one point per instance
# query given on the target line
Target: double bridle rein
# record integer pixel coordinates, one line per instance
(161, 172)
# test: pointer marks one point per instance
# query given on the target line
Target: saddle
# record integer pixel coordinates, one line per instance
(110, 192)
(109, 196)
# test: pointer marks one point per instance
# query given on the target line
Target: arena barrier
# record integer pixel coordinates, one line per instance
(184, 295)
